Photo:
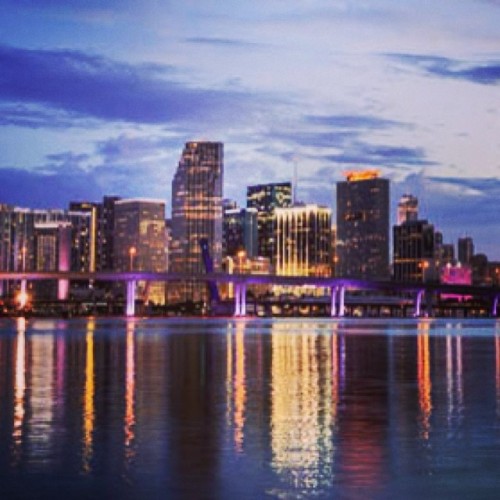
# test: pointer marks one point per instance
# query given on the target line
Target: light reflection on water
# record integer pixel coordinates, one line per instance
(221, 408)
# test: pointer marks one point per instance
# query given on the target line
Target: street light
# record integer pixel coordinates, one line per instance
(132, 251)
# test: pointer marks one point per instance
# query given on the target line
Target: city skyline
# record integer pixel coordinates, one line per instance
(97, 101)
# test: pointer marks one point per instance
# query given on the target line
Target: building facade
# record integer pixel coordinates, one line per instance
(240, 232)
(140, 243)
(303, 241)
(413, 251)
(196, 215)
(363, 226)
(266, 198)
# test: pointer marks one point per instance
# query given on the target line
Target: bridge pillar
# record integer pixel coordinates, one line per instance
(23, 294)
(342, 302)
(130, 307)
(333, 307)
(494, 309)
(418, 304)
(240, 303)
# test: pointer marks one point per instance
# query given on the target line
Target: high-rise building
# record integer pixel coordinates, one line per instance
(303, 240)
(414, 251)
(363, 226)
(465, 250)
(407, 209)
(196, 215)
(140, 242)
(265, 198)
(240, 232)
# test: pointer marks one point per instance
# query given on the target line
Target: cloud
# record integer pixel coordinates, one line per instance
(354, 122)
(221, 42)
(98, 87)
(487, 73)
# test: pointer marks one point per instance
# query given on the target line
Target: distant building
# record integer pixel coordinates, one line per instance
(413, 251)
(265, 198)
(303, 241)
(407, 209)
(465, 249)
(196, 214)
(363, 226)
(240, 232)
(140, 242)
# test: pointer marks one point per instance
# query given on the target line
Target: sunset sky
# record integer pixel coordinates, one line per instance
(98, 97)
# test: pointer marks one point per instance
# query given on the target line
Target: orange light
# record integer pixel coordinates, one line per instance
(22, 299)
(132, 251)
(361, 175)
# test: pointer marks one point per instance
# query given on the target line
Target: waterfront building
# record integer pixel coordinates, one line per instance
(266, 198)
(240, 232)
(407, 209)
(465, 249)
(413, 251)
(363, 226)
(196, 215)
(140, 242)
(303, 240)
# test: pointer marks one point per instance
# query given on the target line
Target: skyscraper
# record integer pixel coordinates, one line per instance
(140, 242)
(240, 232)
(414, 251)
(303, 240)
(196, 214)
(363, 226)
(265, 198)
(465, 250)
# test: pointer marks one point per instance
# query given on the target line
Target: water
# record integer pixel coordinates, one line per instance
(276, 408)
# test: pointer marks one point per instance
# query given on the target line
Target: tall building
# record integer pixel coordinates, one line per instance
(363, 226)
(196, 215)
(265, 198)
(413, 251)
(140, 242)
(303, 240)
(239, 231)
(407, 209)
(465, 250)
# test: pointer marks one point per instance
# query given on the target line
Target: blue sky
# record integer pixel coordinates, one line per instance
(99, 97)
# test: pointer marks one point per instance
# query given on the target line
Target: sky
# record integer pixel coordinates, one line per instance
(98, 98)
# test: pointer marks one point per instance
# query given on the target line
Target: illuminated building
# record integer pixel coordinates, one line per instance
(413, 251)
(140, 242)
(407, 209)
(266, 198)
(196, 214)
(465, 250)
(363, 226)
(303, 241)
(52, 252)
(239, 231)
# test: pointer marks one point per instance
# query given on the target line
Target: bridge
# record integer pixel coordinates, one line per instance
(337, 286)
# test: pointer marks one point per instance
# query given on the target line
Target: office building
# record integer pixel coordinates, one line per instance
(196, 215)
(303, 241)
(140, 243)
(465, 249)
(240, 232)
(413, 251)
(265, 198)
(363, 226)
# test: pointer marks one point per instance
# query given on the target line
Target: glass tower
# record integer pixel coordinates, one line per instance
(363, 226)
(196, 215)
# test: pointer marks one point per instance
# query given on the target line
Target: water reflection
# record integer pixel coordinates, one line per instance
(424, 379)
(240, 408)
(129, 420)
(19, 391)
(301, 403)
(88, 399)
